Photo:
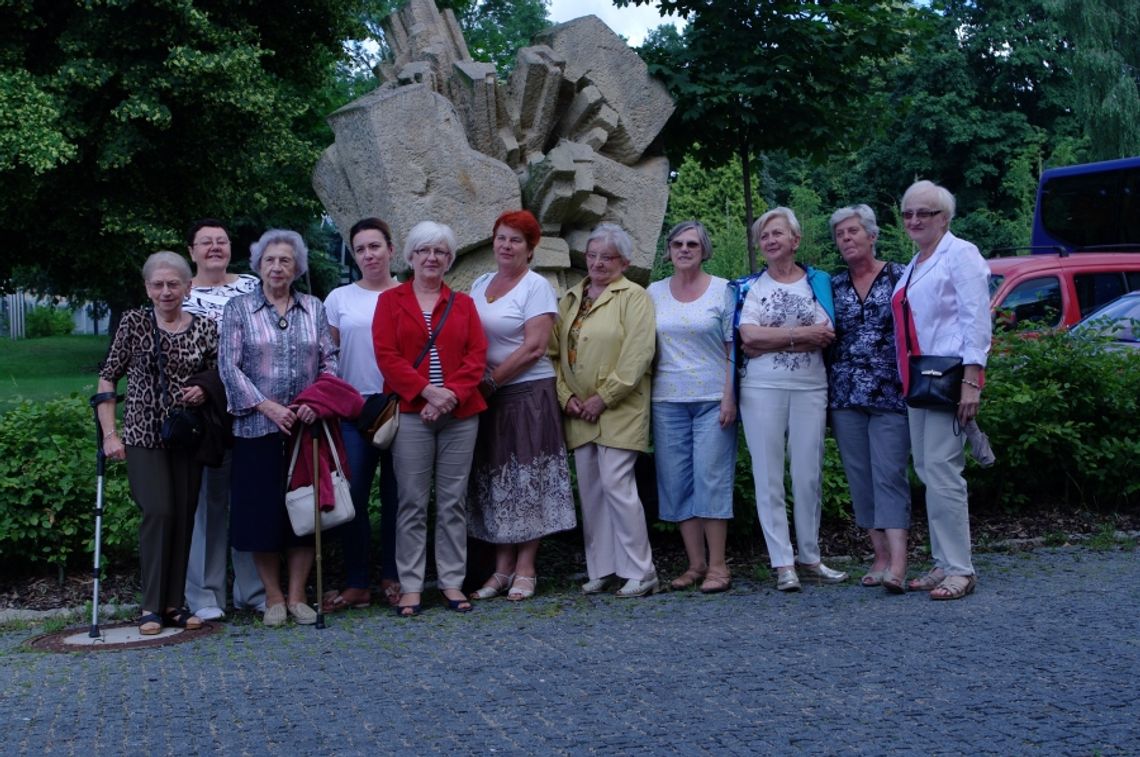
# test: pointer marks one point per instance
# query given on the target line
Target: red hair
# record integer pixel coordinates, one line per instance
(520, 220)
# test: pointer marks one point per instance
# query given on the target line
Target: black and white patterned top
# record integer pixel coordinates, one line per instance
(863, 372)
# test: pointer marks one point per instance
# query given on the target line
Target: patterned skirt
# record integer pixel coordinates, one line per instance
(520, 482)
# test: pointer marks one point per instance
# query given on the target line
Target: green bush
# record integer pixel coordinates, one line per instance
(47, 488)
(48, 321)
(1063, 417)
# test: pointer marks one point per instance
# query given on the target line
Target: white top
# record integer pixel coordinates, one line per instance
(210, 302)
(949, 299)
(770, 303)
(503, 320)
(350, 310)
(691, 361)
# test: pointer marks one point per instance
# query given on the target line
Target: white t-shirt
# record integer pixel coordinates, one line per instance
(691, 360)
(350, 309)
(770, 303)
(504, 318)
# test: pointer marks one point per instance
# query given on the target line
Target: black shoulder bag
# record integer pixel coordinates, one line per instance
(935, 380)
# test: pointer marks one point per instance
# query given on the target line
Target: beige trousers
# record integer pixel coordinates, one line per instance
(613, 520)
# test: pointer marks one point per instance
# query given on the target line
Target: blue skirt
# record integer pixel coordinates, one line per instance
(258, 520)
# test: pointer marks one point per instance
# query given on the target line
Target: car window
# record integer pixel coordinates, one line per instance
(1036, 300)
(1095, 289)
(996, 279)
(1133, 280)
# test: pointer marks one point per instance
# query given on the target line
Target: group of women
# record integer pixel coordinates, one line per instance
(494, 387)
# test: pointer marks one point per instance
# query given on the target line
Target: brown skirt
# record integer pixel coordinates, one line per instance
(520, 481)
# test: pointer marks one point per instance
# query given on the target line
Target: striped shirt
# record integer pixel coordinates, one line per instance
(259, 360)
(435, 369)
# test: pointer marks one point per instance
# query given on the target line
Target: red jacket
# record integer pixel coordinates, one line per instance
(331, 399)
(399, 334)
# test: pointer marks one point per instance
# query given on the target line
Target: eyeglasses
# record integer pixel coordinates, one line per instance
(220, 242)
(921, 215)
(438, 252)
(607, 259)
(682, 244)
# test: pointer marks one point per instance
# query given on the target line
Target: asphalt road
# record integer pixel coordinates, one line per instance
(1043, 659)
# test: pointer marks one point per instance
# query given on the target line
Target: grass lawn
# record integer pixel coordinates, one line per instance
(49, 367)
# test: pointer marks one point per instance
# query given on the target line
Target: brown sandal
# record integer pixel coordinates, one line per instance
(954, 587)
(687, 579)
(927, 582)
(715, 583)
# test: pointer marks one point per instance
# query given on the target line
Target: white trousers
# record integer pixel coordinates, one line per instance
(613, 520)
(939, 457)
(776, 420)
(210, 545)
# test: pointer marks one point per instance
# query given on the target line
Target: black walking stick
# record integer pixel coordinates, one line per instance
(100, 461)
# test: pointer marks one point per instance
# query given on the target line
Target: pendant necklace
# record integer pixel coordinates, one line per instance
(282, 323)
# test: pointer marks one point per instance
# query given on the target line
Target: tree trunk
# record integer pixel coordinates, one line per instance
(746, 170)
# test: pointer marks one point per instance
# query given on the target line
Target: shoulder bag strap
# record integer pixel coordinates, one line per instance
(908, 319)
(434, 332)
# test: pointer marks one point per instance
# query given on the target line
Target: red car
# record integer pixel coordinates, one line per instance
(1059, 289)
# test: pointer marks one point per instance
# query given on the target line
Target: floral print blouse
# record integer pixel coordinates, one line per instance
(863, 372)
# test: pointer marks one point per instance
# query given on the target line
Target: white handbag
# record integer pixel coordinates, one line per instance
(299, 502)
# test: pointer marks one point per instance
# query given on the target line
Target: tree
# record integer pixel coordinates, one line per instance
(495, 30)
(1106, 34)
(756, 75)
(124, 119)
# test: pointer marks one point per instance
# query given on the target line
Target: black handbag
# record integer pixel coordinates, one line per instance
(183, 427)
(935, 380)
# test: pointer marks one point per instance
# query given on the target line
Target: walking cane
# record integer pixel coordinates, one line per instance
(317, 523)
(100, 462)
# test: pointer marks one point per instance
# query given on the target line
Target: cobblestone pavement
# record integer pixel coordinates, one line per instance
(1043, 659)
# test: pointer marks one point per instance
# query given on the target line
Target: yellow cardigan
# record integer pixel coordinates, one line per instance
(615, 355)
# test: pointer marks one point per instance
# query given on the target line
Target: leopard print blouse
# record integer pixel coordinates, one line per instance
(132, 354)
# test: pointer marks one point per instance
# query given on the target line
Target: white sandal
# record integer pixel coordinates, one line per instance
(518, 593)
(496, 585)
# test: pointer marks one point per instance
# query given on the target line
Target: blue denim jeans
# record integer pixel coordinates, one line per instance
(356, 535)
(695, 459)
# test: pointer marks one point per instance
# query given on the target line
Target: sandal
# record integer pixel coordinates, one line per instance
(458, 605)
(525, 591)
(928, 581)
(357, 599)
(954, 587)
(873, 578)
(150, 624)
(496, 585)
(892, 583)
(391, 591)
(407, 611)
(181, 617)
(688, 579)
(715, 583)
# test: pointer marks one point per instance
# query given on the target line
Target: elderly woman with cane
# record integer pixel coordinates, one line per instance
(158, 349)
(275, 342)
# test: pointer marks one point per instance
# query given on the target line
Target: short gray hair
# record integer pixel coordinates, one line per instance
(778, 212)
(614, 237)
(865, 215)
(430, 233)
(943, 200)
(166, 259)
(281, 236)
(702, 236)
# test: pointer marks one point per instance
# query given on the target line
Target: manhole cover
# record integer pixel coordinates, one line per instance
(118, 636)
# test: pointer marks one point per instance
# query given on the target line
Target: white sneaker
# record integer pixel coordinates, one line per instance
(643, 588)
(597, 585)
(210, 613)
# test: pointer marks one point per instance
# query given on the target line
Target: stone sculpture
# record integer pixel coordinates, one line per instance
(570, 137)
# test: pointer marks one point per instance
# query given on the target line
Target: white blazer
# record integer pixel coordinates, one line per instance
(949, 297)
